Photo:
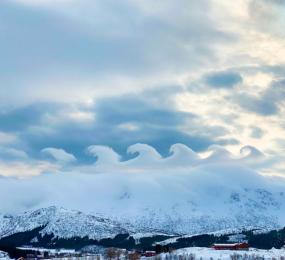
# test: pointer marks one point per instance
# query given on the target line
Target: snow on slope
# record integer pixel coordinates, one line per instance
(201, 202)
(4, 255)
(60, 222)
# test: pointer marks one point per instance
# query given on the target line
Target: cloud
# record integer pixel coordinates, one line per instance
(9, 153)
(26, 169)
(195, 183)
(38, 3)
(180, 157)
(6, 138)
(266, 103)
(114, 121)
(223, 79)
(268, 15)
(257, 132)
(105, 155)
(257, 105)
(59, 154)
(275, 92)
(15, 119)
(111, 44)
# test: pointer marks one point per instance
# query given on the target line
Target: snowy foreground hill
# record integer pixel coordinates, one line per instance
(210, 254)
(4, 255)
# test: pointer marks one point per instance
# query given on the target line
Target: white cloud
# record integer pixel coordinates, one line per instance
(7, 138)
(13, 153)
(39, 3)
(26, 169)
(129, 127)
(59, 154)
(181, 158)
(106, 156)
(82, 116)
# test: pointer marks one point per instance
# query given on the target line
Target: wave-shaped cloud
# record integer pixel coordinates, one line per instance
(59, 154)
(104, 154)
(180, 157)
(144, 158)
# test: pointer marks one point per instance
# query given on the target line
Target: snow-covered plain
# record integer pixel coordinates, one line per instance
(211, 254)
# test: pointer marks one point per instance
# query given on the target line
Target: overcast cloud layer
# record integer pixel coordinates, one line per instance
(78, 74)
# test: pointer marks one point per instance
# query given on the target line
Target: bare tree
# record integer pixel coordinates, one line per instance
(113, 253)
(134, 256)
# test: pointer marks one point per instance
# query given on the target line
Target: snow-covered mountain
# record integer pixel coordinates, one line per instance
(46, 226)
(58, 227)
(217, 209)
(222, 210)
(61, 223)
(188, 206)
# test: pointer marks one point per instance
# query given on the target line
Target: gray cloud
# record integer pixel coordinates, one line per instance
(119, 122)
(267, 103)
(223, 79)
(58, 48)
(258, 105)
(267, 15)
(256, 132)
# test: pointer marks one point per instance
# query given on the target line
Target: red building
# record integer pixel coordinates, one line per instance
(149, 254)
(236, 246)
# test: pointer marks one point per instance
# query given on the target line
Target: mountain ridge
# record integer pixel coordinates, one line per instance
(55, 227)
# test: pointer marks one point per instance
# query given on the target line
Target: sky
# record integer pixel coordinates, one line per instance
(81, 78)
